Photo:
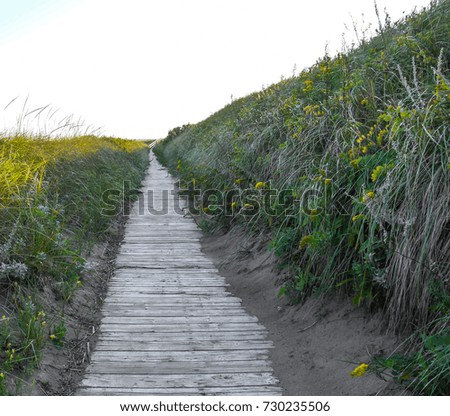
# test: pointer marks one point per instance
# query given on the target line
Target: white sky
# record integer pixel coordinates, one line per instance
(137, 68)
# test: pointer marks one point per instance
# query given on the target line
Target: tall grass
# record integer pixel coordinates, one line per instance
(359, 144)
(51, 200)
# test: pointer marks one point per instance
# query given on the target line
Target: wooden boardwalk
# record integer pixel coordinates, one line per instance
(169, 326)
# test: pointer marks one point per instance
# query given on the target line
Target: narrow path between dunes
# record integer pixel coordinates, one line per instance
(169, 324)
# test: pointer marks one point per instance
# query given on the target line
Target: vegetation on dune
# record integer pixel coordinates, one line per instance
(357, 149)
(51, 201)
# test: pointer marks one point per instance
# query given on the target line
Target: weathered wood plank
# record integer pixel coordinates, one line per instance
(184, 380)
(162, 265)
(173, 297)
(180, 391)
(187, 290)
(223, 303)
(149, 282)
(180, 367)
(177, 320)
(177, 356)
(207, 288)
(179, 328)
(132, 345)
(152, 312)
(198, 336)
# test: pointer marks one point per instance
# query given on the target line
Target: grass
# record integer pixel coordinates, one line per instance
(51, 214)
(356, 151)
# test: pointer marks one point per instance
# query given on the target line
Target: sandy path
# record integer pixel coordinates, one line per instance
(169, 324)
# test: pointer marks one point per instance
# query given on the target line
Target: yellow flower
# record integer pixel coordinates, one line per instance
(355, 162)
(305, 241)
(44, 323)
(364, 101)
(376, 173)
(314, 212)
(234, 204)
(308, 85)
(2, 376)
(259, 185)
(360, 370)
(52, 336)
(380, 136)
(238, 181)
(367, 196)
(78, 283)
(357, 217)
(353, 152)
(327, 181)
(248, 206)
(205, 209)
(364, 149)
(3, 317)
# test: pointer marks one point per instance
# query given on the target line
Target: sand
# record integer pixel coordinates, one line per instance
(317, 344)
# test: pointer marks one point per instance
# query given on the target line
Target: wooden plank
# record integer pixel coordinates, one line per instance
(224, 302)
(163, 265)
(167, 272)
(134, 345)
(148, 281)
(173, 297)
(196, 290)
(167, 234)
(149, 260)
(137, 273)
(145, 282)
(179, 328)
(224, 297)
(185, 289)
(152, 312)
(177, 320)
(162, 246)
(199, 391)
(161, 357)
(148, 284)
(173, 253)
(188, 256)
(179, 367)
(196, 336)
(147, 239)
(179, 380)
